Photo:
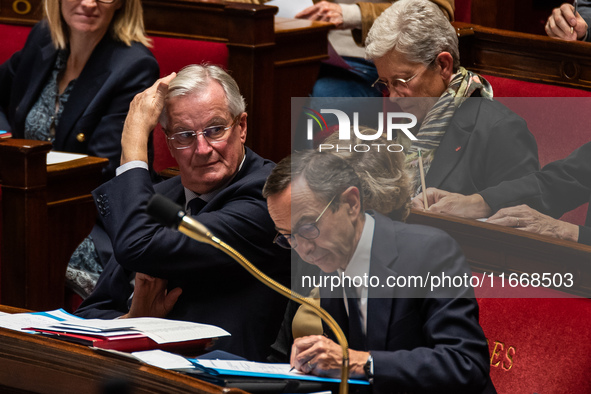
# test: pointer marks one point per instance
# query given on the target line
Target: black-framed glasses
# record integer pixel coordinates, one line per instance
(212, 134)
(308, 231)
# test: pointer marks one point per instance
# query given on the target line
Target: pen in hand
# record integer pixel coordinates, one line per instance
(576, 9)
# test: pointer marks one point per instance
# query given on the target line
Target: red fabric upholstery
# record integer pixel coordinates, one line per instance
(172, 55)
(537, 345)
(463, 11)
(559, 125)
(505, 87)
(12, 39)
(175, 53)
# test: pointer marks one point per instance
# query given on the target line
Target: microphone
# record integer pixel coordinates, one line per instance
(172, 215)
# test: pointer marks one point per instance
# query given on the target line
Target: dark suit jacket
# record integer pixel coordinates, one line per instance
(98, 103)
(421, 340)
(485, 144)
(559, 187)
(216, 289)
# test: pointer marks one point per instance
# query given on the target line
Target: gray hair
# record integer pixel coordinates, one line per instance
(415, 28)
(326, 174)
(195, 79)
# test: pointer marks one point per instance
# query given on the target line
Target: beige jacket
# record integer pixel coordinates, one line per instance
(370, 11)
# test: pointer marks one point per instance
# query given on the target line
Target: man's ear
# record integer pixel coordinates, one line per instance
(352, 199)
(242, 123)
(446, 63)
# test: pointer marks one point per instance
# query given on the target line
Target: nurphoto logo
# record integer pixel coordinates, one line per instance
(402, 121)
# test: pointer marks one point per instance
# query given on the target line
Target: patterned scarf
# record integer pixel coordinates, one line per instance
(463, 84)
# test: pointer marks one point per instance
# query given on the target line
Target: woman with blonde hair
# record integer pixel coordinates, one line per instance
(73, 81)
(385, 183)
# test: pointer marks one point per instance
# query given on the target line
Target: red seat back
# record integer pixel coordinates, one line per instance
(536, 345)
(172, 55)
(463, 11)
(12, 39)
(559, 123)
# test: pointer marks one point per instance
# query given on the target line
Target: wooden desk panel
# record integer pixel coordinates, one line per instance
(493, 248)
(35, 364)
(524, 56)
(46, 212)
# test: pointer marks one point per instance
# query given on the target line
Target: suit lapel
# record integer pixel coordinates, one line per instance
(86, 87)
(380, 302)
(44, 63)
(454, 143)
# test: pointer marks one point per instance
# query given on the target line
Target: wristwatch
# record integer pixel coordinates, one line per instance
(368, 368)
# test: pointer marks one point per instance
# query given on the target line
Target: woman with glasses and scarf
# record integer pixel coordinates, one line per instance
(73, 81)
(467, 140)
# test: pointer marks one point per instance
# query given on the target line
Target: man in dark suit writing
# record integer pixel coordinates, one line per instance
(406, 338)
(220, 183)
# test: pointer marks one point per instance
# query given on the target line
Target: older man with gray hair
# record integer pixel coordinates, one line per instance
(468, 141)
(220, 184)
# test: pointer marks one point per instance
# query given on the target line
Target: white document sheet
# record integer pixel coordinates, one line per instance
(289, 8)
(162, 359)
(54, 157)
(18, 321)
(159, 330)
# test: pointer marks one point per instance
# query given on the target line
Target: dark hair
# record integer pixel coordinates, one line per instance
(327, 175)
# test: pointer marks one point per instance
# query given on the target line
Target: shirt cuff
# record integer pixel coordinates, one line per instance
(351, 16)
(130, 165)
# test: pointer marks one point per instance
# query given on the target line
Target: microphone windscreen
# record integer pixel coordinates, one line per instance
(165, 211)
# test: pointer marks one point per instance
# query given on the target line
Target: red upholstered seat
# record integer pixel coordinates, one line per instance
(463, 11)
(12, 39)
(536, 345)
(172, 55)
(505, 87)
(560, 123)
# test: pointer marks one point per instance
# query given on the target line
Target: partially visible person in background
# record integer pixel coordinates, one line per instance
(352, 20)
(524, 203)
(73, 81)
(467, 140)
(564, 24)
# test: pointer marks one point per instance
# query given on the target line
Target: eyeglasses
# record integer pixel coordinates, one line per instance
(395, 84)
(212, 134)
(308, 231)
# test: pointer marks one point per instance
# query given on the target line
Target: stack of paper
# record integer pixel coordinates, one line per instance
(124, 334)
(228, 369)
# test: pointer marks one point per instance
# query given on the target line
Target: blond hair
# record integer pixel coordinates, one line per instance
(385, 183)
(127, 25)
